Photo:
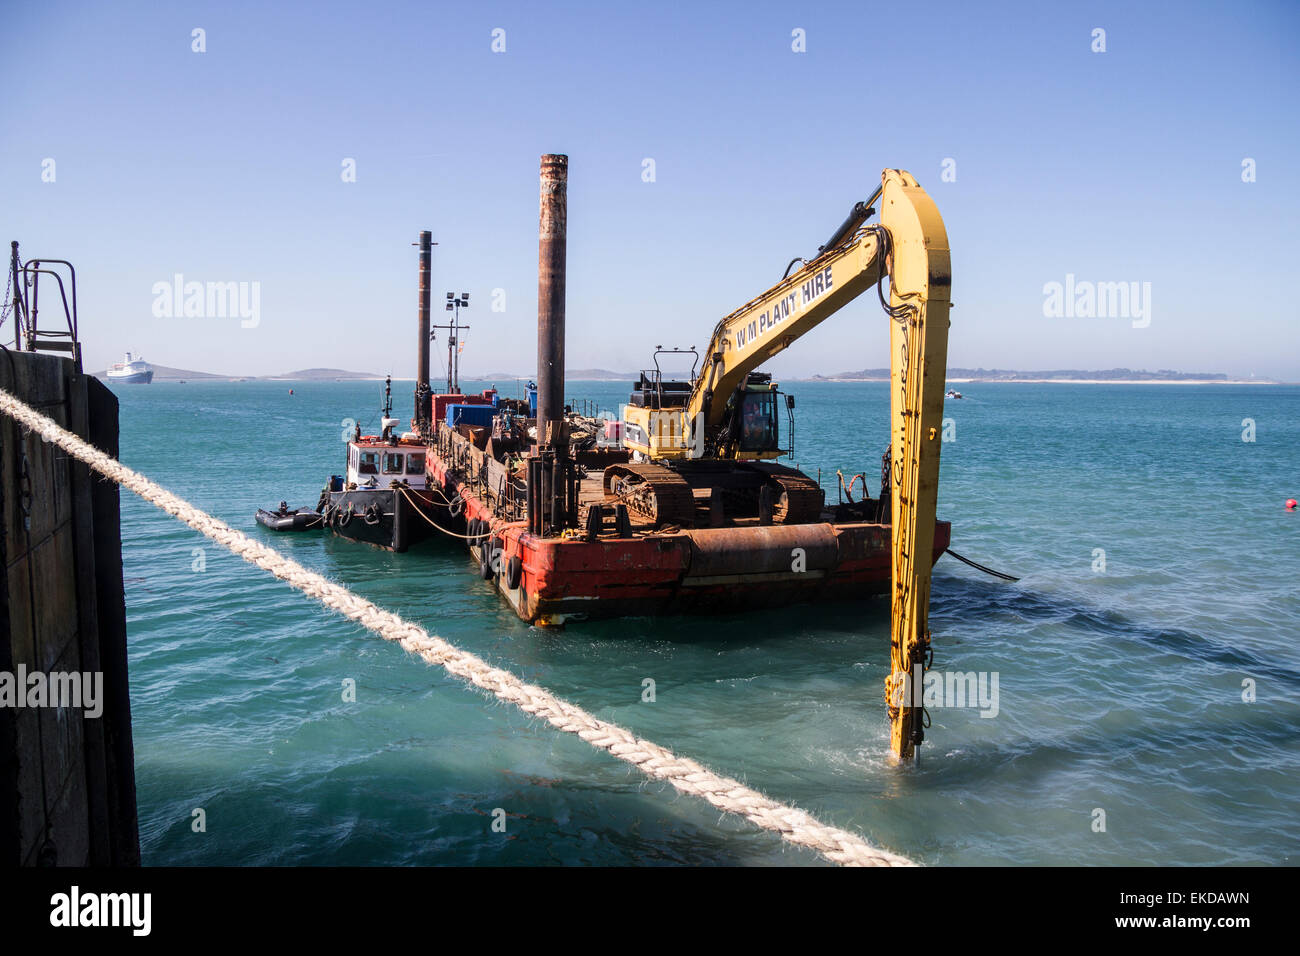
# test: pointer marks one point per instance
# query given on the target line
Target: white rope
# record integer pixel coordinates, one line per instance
(686, 775)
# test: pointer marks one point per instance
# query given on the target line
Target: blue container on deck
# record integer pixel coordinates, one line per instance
(476, 415)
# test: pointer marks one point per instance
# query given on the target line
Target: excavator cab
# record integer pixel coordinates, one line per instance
(750, 427)
(759, 429)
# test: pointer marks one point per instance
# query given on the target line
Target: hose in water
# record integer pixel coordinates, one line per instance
(979, 567)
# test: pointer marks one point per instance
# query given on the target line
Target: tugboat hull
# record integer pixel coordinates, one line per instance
(384, 517)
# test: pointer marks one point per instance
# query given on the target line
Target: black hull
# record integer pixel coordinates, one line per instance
(379, 516)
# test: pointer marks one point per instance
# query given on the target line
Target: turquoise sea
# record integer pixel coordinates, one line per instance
(1120, 689)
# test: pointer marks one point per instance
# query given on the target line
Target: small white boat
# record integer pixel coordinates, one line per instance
(131, 371)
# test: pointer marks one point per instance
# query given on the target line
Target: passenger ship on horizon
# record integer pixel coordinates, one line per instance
(131, 372)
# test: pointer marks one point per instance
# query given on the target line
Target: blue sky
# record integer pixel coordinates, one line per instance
(225, 166)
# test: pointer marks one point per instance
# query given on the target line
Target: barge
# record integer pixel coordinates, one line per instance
(686, 509)
(609, 560)
(681, 506)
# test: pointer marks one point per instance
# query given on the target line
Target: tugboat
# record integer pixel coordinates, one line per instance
(382, 498)
(131, 372)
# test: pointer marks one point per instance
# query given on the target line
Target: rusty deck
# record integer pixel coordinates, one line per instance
(744, 566)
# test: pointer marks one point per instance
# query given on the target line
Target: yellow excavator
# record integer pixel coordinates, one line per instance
(720, 429)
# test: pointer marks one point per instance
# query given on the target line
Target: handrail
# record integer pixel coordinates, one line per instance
(28, 335)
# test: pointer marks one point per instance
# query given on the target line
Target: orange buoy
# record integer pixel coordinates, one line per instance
(1290, 504)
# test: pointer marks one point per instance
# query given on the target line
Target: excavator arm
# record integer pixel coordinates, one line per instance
(920, 282)
(910, 245)
(845, 268)
(667, 434)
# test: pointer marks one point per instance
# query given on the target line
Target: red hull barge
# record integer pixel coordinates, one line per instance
(549, 580)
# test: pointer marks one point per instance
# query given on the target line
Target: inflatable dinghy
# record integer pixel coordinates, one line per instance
(289, 519)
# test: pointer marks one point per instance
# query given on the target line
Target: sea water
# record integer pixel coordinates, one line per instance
(1146, 664)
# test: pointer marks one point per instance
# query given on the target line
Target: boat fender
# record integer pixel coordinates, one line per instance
(372, 514)
(343, 518)
(485, 569)
(514, 572)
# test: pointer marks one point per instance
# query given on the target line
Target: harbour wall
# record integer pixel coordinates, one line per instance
(67, 772)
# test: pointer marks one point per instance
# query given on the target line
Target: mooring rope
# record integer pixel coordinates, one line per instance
(449, 533)
(659, 763)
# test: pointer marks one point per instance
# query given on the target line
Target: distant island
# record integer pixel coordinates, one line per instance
(600, 375)
(573, 375)
(1113, 376)
(163, 373)
(322, 375)
(587, 375)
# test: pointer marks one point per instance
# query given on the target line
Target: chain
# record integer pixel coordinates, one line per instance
(7, 303)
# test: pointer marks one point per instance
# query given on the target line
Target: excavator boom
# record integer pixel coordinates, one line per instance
(910, 246)
(919, 300)
(769, 324)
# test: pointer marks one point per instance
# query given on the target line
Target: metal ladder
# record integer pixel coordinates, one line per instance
(24, 301)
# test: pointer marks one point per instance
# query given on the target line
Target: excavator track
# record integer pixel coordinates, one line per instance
(799, 499)
(656, 493)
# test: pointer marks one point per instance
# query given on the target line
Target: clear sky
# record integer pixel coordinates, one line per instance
(226, 166)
